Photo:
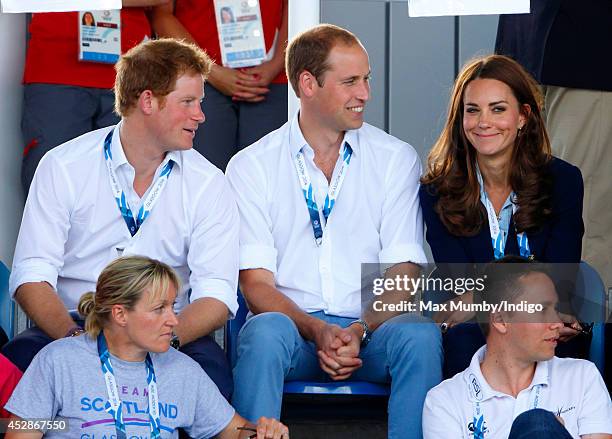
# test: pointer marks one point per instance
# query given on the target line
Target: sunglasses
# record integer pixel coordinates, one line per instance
(587, 328)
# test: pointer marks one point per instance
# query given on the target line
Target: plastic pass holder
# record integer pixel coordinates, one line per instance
(240, 31)
(100, 36)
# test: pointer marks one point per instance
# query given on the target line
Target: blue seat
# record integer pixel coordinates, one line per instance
(7, 306)
(592, 306)
(300, 387)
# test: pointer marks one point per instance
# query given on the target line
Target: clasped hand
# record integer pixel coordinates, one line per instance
(338, 351)
(247, 84)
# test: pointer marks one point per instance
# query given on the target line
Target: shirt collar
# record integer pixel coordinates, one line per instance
(297, 141)
(175, 156)
(479, 389)
(118, 155)
(541, 374)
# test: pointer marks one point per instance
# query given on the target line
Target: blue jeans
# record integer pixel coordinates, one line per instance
(538, 424)
(406, 351)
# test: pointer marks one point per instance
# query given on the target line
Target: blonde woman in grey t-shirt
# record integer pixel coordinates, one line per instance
(121, 379)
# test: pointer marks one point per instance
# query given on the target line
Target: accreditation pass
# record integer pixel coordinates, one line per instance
(240, 32)
(100, 36)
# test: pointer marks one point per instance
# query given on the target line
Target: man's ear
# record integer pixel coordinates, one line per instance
(119, 314)
(147, 102)
(307, 84)
(498, 323)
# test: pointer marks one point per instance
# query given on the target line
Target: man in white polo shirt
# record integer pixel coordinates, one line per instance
(515, 387)
(317, 198)
(134, 188)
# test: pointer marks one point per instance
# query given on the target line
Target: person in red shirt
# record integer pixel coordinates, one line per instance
(65, 97)
(241, 105)
(9, 377)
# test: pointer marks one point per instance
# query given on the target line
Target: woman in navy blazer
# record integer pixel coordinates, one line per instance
(492, 187)
(558, 240)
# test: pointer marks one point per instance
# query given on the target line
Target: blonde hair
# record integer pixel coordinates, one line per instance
(123, 282)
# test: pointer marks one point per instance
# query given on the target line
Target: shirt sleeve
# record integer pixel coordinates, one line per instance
(34, 396)
(213, 251)
(212, 412)
(39, 253)
(438, 420)
(248, 182)
(401, 230)
(596, 409)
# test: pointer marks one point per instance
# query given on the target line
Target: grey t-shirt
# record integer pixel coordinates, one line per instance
(65, 381)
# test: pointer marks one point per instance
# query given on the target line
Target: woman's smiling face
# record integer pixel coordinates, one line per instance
(492, 117)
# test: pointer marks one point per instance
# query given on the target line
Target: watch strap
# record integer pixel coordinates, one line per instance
(367, 334)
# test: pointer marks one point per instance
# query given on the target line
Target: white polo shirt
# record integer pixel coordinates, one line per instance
(72, 227)
(570, 388)
(376, 217)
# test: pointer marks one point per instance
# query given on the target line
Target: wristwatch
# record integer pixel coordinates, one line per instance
(175, 342)
(367, 334)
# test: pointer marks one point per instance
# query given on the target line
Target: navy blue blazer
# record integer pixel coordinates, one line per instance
(560, 240)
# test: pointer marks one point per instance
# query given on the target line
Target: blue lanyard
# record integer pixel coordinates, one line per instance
(498, 240)
(332, 194)
(133, 224)
(114, 405)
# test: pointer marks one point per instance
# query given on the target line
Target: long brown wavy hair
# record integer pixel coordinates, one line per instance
(451, 165)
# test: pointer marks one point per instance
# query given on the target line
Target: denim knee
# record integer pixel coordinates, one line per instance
(535, 418)
(414, 331)
(537, 423)
(267, 334)
(407, 334)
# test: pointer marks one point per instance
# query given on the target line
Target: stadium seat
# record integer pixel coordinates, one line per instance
(593, 307)
(7, 306)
